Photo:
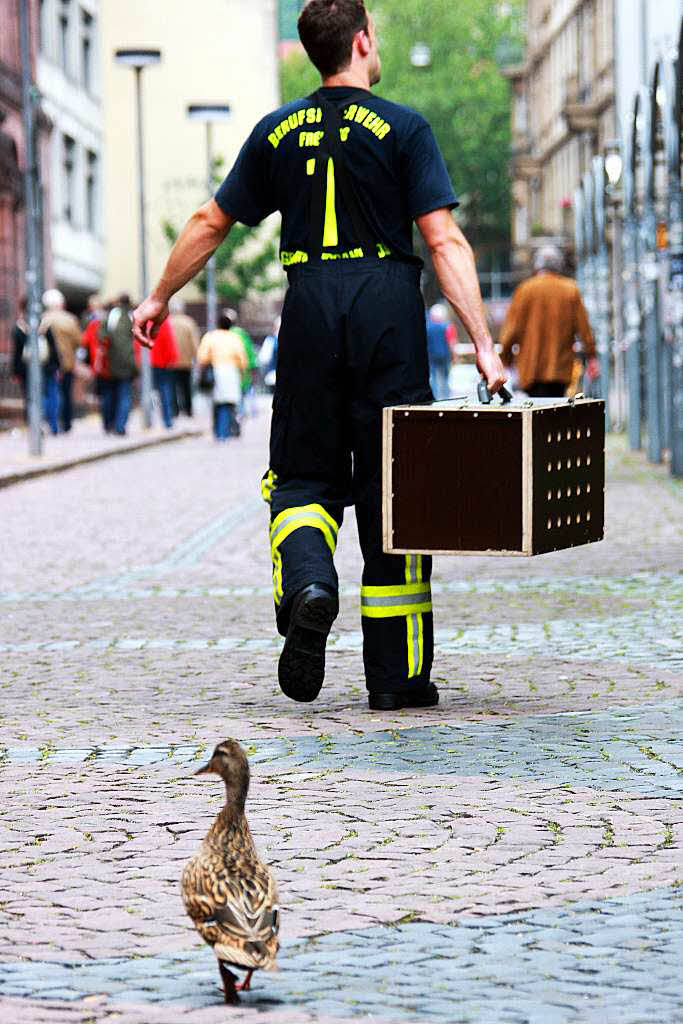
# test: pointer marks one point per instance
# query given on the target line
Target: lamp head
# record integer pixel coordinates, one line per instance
(137, 58)
(421, 55)
(208, 112)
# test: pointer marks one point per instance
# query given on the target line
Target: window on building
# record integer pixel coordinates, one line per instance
(64, 35)
(91, 187)
(68, 177)
(87, 39)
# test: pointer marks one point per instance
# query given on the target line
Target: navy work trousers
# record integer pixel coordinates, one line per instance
(352, 341)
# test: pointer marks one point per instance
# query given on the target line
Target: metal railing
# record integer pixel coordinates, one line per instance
(633, 289)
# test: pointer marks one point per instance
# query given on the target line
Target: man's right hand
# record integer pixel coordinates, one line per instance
(147, 320)
(490, 366)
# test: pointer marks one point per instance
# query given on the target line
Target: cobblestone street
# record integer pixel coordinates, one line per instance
(513, 855)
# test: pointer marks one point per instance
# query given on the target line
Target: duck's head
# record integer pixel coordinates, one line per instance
(230, 762)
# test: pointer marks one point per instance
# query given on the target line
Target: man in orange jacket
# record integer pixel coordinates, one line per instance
(545, 318)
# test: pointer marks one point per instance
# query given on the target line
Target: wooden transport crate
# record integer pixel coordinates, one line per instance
(462, 478)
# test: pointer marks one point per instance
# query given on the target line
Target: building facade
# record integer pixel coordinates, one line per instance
(563, 112)
(584, 61)
(69, 79)
(227, 54)
(12, 163)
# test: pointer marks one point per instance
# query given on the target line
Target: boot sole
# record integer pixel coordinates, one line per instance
(301, 669)
(394, 702)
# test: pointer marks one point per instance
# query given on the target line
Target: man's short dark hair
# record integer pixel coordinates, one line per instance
(327, 29)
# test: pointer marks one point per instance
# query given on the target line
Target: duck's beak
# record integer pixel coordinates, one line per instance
(205, 769)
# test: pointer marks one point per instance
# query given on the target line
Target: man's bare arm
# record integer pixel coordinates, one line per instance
(197, 242)
(455, 268)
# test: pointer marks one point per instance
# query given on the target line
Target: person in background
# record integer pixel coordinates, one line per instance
(67, 334)
(187, 342)
(267, 356)
(98, 356)
(164, 356)
(223, 350)
(545, 317)
(49, 366)
(117, 337)
(248, 375)
(439, 350)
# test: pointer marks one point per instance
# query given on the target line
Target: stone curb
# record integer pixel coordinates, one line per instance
(32, 472)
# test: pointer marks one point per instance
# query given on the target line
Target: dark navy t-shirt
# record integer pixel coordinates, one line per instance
(391, 154)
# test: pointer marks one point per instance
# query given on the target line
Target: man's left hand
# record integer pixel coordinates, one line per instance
(147, 320)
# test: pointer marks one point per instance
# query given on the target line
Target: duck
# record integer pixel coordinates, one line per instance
(229, 894)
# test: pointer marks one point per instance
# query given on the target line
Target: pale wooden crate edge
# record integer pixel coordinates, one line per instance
(490, 553)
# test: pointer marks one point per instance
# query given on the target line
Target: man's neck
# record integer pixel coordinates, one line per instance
(351, 77)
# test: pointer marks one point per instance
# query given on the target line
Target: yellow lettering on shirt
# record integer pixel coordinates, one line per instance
(310, 139)
(313, 115)
(288, 259)
(352, 254)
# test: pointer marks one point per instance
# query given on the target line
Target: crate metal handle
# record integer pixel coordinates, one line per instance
(485, 396)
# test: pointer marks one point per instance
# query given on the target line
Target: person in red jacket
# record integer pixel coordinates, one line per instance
(164, 358)
(97, 347)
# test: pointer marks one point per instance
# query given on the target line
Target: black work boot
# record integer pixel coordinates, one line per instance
(301, 669)
(426, 697)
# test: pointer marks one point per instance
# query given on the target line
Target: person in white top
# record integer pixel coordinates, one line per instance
(223, 350)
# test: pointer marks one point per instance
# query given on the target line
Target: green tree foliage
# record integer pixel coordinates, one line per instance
(244, 264)
(462, 93)
(245, 261)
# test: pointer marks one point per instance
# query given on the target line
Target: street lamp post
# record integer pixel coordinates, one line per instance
(34, 392)
(613, 169)
(672, 136)
(138, 60)
(579, 238)
(602, 281)
(209, 113)
(632, 315)
(650, 283)
(589, 282)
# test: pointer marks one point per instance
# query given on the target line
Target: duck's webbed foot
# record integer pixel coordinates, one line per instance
(245, 986)
(229, 987)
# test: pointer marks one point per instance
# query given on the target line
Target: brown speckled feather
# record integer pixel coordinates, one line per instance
(231, 896)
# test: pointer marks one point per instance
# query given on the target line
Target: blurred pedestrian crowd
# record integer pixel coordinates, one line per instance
(546, 340)
(224, 364)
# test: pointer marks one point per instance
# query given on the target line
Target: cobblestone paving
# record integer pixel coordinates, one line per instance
(513, 855)
(615, 956)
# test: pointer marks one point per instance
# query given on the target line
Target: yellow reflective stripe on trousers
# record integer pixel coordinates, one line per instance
(305, 515)
(413, 568)
(410, 600)
(397, 590)
(268, 484)
(293, 519)
(414, 622)
(387, 607)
